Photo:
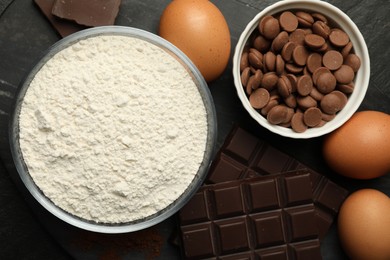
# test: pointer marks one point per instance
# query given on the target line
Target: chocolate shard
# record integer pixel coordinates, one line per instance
(87, 12)
(63, 27)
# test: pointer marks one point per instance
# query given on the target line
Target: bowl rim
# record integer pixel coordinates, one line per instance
(362, 76)
(114, 228)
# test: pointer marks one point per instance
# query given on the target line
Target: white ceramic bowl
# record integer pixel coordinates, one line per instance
(360, 48)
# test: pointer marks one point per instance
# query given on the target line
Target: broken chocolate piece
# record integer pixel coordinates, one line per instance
(88, 13)
(63, 27)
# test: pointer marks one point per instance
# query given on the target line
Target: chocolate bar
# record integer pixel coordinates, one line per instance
(244, 156)
(266, 217)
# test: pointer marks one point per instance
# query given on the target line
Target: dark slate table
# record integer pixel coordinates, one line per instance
(29, 232)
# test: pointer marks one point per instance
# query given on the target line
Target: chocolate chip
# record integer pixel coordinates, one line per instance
(306, 102)
(272, 103)
(331, 103)
(314, 41)
(353, 61)
(322, 29)
(291, 101)
(244, 62)
(326, 83)
(292, 68)
(259, 98)
(279, 65)
(284, 86)
(269, 27)
(338, 38)
(328, 117)
(300, 55)
(245, 74)
(288, 21)
(255, 59)
(261, 43)
(269, 81)
(344, 74)
(314, 61)
(297, 123)
(346, 88)
(318, 72)
(304, 19)
(316, 94)
(304, 85)
(332, 60)
(287, 51)
(346, 49)
(320, 17)
(280, 40)
(278, 114)
(270, 61)
(312, 116)
(298, 37)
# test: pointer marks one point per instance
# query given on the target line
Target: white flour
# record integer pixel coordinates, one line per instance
(113, 129)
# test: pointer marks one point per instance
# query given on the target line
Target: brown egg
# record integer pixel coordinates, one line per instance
(364, 225)
(360, 148)
(199, 29)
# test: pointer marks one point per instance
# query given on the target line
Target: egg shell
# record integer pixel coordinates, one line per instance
(364, 225)
(360, 148)
(199, 29)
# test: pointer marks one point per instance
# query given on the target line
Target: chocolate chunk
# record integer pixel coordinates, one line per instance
(88, 13)
(63, 27)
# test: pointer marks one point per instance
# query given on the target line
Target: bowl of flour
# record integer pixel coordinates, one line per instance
(114, 129)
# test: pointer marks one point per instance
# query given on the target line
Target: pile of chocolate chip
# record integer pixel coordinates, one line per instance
(298, 70)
